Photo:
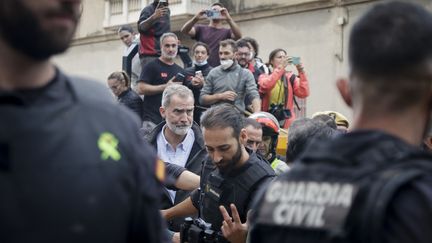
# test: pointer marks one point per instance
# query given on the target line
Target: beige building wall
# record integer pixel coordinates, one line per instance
(315, 30)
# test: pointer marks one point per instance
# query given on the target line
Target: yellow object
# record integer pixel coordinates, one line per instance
(160, 170)
(340, 119)
(107, 144)
(281, 146)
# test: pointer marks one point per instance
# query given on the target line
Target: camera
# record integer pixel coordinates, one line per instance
(212, 14)
(278, 111)
(199, 231)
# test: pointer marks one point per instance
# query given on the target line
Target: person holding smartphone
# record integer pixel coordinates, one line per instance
(278, 88)
(154, 20)
(214, 32)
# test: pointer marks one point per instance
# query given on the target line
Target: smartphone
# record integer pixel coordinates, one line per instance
(295, 60)
(179, 77)
(162, 4)
(212, 14)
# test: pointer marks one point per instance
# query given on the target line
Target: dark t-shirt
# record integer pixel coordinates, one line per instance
(149, 40)
(156, 73)
(212, 36)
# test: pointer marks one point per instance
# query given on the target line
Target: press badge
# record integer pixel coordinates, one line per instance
(323, 205)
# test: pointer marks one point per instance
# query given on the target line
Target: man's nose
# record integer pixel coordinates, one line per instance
(217, 157)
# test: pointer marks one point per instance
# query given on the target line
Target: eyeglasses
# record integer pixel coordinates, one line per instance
(243, 54)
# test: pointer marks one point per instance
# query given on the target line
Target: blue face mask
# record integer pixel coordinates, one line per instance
(200, 64)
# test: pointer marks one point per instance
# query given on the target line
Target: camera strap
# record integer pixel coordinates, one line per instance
(291, 81)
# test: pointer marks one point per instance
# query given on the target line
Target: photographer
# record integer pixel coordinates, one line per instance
(214, 32)
(153, 22)
(278, 88)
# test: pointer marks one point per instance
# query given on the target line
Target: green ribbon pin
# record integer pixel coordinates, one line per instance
(107, 143)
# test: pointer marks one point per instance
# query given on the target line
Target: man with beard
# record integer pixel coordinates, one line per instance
(230, 83)
(77, 171)
(178, 140)
(373, 184)
(156, 76)
(231, 175)
(153, 22)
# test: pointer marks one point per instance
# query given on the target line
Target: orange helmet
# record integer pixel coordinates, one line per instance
(268, 122)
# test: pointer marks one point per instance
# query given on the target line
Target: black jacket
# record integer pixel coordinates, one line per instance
(364, 186)
(132, 101)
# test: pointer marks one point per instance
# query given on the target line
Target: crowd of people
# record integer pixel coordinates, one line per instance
(196, 160)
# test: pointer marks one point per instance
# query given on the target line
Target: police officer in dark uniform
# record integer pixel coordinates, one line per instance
(231, 175)
(373, 184)
(72, 165)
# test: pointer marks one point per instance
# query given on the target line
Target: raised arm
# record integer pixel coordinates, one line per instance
(145, 23)
(235, 29)
(188, 28)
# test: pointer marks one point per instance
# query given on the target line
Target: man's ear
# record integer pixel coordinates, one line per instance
(344, 90)
(243, 136)
(162, 112)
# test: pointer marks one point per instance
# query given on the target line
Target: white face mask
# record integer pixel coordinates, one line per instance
(225, 64)
(200, 63)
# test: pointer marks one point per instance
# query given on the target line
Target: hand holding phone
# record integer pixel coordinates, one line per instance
(179, 78)
(295, 60)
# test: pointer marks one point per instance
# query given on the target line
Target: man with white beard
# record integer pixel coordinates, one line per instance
(178, 140)
(155, 77)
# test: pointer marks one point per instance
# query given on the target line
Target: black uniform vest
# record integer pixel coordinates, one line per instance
(329, 200)
(219, 190)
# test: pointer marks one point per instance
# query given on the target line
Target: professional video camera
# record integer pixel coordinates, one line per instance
(199, 231)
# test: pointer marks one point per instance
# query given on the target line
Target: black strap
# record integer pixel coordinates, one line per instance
(292, 79)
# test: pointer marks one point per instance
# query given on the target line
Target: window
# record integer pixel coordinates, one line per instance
(116, 7)
(134, 5)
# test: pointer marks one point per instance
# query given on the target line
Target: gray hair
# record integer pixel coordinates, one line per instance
(175, 89)
(166, 35)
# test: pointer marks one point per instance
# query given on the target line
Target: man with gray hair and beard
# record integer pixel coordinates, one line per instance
(156, 76)
(178, 140)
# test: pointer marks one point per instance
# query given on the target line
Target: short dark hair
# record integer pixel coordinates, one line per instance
(125, 28)
(301, 132)
(252, 122)
(391, 37)
(242, 43)
(223, 116)
(389, 50)
(253, 43)
(228, 42)
(218, 4)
